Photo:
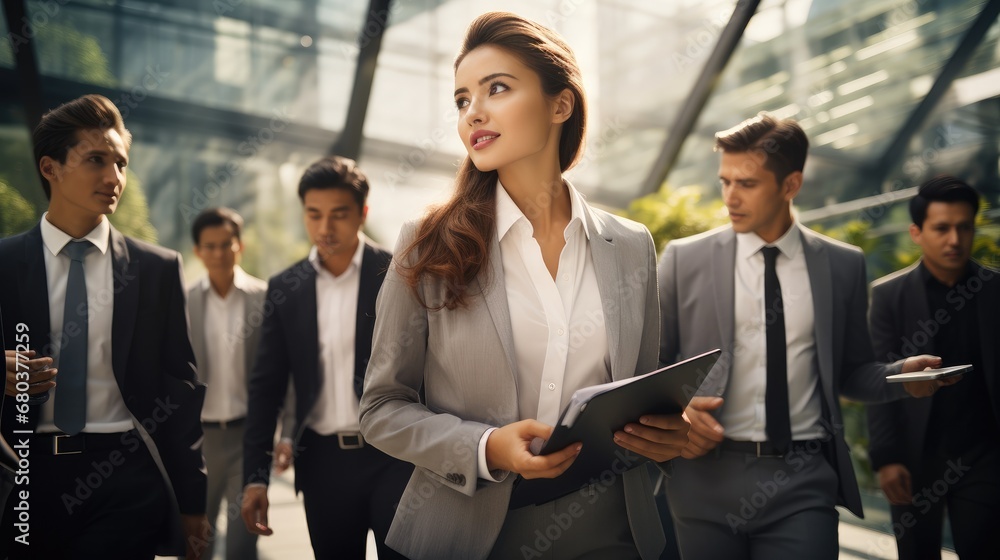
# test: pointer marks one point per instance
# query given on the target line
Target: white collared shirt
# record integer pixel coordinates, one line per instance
(225, 351)
(744, 414)
(560, 340)
(337, 408)
(106, 411)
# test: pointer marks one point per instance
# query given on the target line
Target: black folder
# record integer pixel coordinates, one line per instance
(664, 391)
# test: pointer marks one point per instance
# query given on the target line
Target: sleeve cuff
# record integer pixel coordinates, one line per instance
(484, 471)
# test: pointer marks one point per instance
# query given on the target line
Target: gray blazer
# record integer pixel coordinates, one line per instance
(255, 291)
(697, 290)
(438, 380)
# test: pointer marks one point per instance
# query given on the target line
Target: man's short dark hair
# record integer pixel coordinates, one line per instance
(943, 188)
(211, 217)
(56, 133)
(335, 172)
(783, 142)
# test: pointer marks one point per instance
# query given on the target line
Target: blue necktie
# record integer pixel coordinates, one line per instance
(71, 398)
(778, 424)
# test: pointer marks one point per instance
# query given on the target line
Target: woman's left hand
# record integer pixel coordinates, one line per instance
(659, 437)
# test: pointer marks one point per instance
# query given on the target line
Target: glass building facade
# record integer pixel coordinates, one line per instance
(229, 100)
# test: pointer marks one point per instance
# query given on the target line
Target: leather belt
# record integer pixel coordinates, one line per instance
(223, 424)
(345, 440)
(765, 448)
(62, 444)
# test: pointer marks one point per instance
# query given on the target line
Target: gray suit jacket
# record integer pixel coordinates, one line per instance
(255, 291)
(697, 290)
(438, 380)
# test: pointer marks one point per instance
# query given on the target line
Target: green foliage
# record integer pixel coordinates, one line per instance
(132, 216)
(675, 213)
(986, 246)
(65, 52)
(16, 213)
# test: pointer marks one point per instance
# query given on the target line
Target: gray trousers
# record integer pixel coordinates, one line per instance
(223, 449)
(739, 507)
(591, 524)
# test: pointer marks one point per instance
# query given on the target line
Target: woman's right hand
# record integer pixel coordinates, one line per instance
(508, 449)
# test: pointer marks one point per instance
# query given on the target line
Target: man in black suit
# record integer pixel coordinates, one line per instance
(122, 402)
(319, 319)
(942, 452)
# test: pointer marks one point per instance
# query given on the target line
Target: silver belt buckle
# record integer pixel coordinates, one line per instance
(350, 440)
(760, 452)
(55, 446)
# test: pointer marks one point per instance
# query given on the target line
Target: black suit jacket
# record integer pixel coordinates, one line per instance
(151, 353)
(289, 346)
(902, 325)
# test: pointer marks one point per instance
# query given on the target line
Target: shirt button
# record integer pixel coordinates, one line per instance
(552, 386)
(559, 332)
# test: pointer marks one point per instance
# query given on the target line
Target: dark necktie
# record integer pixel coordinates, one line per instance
(71, 398)
(778, 428)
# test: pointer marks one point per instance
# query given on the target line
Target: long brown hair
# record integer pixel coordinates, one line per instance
(453, 240)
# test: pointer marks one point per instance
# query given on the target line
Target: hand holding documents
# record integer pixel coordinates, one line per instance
(594, 414)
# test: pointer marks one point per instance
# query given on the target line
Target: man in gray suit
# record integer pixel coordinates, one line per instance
(766, 460)
(226, 309)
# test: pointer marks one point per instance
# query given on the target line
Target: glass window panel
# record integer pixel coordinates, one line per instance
(851, 73)
(244, 56)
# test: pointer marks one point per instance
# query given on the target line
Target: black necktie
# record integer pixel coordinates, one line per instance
(71, 398)
(779, 430)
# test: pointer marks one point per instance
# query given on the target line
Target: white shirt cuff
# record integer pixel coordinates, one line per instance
(484, 470)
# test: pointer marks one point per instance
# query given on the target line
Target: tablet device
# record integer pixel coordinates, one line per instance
(601, 411)
(929, 374)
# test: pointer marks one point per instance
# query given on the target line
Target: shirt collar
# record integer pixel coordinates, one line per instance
(509, 214)
(56, 239)
(929, 278)
(240, 278)
(355, 260)
(749, 244)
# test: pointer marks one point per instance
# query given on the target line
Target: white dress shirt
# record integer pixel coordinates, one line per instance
(106, 412)
(743, 415)
(225, 349)
(560, 340)
(336, 408)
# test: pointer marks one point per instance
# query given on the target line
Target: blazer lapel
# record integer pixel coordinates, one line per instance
(125, 270)
(916, 309)
(723, 261)
(196, 314)
(495, 295)
(986, 308)
(607, 270)
(367, 293)
(818, 266)
(308, 335)
(34, 287)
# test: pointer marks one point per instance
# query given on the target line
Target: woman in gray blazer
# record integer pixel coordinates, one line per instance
(502, 302)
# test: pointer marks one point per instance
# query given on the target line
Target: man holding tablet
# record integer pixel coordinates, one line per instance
(944, 451)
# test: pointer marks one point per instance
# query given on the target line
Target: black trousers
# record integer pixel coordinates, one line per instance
(968, 487)
(346, 492)
(102, 503)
